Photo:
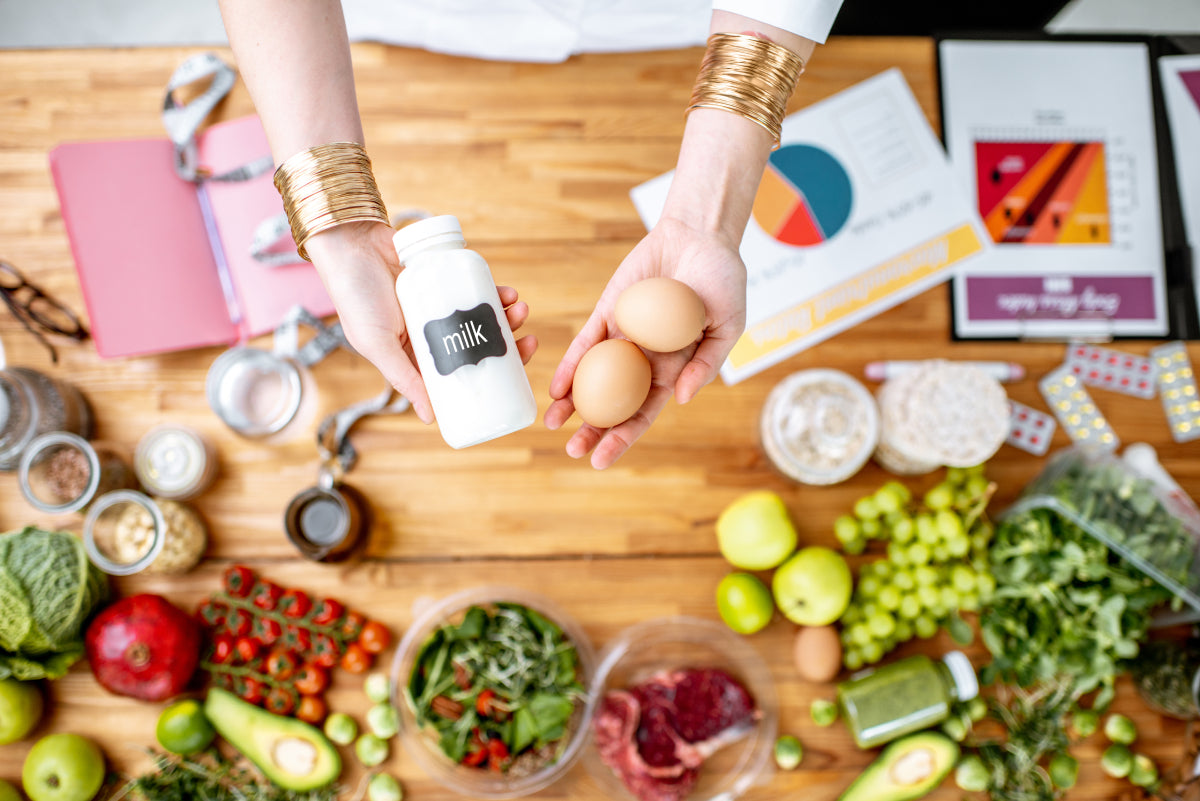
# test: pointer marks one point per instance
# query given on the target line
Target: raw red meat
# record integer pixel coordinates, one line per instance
(656, 735)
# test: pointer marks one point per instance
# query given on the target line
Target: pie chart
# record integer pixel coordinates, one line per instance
(805, 196)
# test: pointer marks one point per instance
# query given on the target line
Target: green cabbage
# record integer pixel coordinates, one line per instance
(48, 590)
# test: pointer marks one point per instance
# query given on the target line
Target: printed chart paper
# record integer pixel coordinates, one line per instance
(1054, 142)
(1181, 91)
(857, 211)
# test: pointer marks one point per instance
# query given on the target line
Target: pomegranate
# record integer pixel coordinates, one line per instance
(144, 647)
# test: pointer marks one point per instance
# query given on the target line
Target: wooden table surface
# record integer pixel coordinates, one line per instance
(537, 161)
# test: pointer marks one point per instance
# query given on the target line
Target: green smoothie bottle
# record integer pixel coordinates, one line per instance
(905, 696)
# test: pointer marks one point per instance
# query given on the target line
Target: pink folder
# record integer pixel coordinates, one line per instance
(146, 265)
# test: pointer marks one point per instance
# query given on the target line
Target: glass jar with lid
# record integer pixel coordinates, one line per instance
(128, 532)
(904, 696)
(175, 462)
(61, 472)
(33, 403)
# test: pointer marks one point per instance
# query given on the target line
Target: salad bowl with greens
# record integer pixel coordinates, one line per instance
(491, 684)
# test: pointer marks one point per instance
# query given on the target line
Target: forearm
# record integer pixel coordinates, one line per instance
(723, 155)
(295, 60)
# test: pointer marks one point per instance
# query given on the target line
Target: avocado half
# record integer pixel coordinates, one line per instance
(909, 768)
(291, 753)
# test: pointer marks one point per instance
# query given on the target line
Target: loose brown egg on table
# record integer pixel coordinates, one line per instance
(611, 383)
(660, 314)
(817, 652)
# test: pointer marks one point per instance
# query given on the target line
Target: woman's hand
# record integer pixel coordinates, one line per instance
(358, 266)
(710, 265)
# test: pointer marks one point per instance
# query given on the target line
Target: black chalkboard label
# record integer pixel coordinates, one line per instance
(465, 337)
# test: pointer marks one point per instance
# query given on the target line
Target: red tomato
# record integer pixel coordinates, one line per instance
(282, 664)
(266, 595)
(267, 630)
(328, 612)
(222, 649)
(239, 581)
(356, 660)
(239, 623)
(497, 754)
(311, 709)
(298, 638)
(281, 700)
(294, 604)
(352, 626)
(251, 690)
(325, 650)
(311, 679)
(247, 649)
(375, 637)
(212, 613)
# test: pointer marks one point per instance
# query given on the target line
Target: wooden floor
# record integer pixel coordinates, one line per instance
(537, 162)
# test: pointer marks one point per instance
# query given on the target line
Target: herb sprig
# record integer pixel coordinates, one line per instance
(210, 776)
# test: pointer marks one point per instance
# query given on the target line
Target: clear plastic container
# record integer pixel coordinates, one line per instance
(686, 642)
(1128, 508)
(423, 747)
(819, 426)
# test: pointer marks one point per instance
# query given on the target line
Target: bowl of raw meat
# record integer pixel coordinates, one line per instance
(681, 709)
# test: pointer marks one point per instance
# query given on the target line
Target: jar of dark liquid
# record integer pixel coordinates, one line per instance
(327, 523)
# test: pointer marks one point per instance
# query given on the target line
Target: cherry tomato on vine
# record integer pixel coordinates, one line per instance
(374, 637)
(356, 659)
(311, 679)
(311, 709)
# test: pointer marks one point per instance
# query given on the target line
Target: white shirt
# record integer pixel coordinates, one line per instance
(553, 30)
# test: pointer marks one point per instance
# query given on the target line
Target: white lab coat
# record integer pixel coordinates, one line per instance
(552, 30)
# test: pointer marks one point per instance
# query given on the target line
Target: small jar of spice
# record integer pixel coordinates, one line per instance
(905, 696)
(61, 472)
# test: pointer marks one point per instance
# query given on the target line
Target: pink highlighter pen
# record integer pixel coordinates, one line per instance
(1004, 372)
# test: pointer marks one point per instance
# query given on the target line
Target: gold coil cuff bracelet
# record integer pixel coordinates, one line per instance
(326, 186)
(749, 76)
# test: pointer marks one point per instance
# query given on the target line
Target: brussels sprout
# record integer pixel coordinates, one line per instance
(955, 728)
(977, 709)
(1144, 772)
(1120, 729)
(1084, 722)
(384, 787)
(788, 752)
(971, 775)
(1117, 761)
(383, 721)
(371, 750)
(378, 688)
(823, 712)
(341, 728)
(1064, 770)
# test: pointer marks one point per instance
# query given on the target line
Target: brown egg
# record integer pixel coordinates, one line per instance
(660, 314)
(817, 652)
(611, 383)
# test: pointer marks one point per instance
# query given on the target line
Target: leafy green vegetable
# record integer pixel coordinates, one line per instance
(210, 776)
(1065, 605)
(48, 590)
(504, 673)
(1015, 766)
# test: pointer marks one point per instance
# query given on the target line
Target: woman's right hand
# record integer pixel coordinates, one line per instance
(358, 265)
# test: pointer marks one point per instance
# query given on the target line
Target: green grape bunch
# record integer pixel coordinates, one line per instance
(935, 563)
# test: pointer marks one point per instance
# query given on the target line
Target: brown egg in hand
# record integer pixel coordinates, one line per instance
(611, 383)
(660, 314)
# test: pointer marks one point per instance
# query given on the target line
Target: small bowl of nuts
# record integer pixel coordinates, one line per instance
(126, 532)
(819, 426)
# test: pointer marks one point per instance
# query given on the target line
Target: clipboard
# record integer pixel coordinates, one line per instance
(1081, 200)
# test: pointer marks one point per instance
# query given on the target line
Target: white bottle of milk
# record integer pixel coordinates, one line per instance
(464, 347)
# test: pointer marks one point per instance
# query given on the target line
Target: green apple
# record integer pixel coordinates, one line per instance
(8, 792)
(744, 602)
(20, 709)
(63, 767)
(754, 532)
(813, 587)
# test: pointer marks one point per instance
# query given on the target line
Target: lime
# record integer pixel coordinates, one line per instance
(183, 728)
(744, 602)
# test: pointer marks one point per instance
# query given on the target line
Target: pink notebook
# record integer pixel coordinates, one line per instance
(145, 262)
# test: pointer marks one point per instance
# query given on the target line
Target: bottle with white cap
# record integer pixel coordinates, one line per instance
(905, 696)
(460, 335)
